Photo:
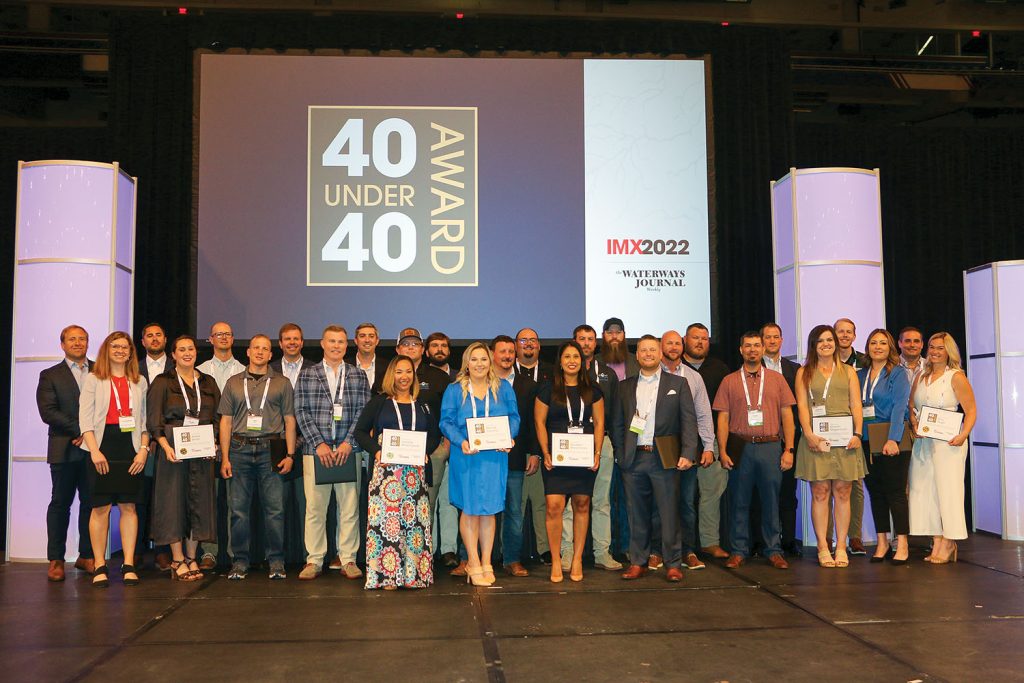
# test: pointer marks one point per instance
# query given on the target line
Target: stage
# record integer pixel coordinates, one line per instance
(869, 622)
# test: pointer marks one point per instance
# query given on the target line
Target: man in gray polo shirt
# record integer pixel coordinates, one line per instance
(256, 406)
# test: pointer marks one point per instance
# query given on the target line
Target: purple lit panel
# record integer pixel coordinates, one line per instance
(122, 301)
(65, 212)
(1013, 400)
(29, 436)
(72, 293)
(30, 494)
(842, 291)
(1013, 461)
(837, 216)
(987, 494)
(1011, 322)
(981, 313)
(982, 375)
(125, 219)
(782, 195)
(786, 291)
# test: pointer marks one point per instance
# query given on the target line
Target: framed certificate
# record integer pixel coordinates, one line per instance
(836, 430)
(936, 423)
(194, 442)
(489, 433)
(572, 450)
(401, 447)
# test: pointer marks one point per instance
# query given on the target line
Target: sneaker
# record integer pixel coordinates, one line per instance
(238, 572)
(607, 562)
(351, 571)
(277, 571)
(309, 572)
(655, 561)
(208, 562)
(692, 561)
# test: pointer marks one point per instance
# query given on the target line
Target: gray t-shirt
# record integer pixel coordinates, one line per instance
(280, 402)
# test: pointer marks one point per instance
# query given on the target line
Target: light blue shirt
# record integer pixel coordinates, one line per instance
(221, 370)
(79, 370)
(701, 404)
(291, 370)
(647, 404)
(775, 365)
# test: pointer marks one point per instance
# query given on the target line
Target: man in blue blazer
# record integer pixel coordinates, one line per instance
(653, 410)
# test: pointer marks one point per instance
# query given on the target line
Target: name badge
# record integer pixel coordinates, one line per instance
(575, 430)
(190, 421)
(755, 418)
(869, 410)
(254, 423)
(818, 410)
(337, 412)
(126, 423)
(637, 425)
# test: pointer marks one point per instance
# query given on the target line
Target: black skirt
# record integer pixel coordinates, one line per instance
(117, 486)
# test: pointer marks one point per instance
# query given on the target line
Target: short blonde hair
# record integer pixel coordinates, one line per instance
(387, 385)
(953, 360)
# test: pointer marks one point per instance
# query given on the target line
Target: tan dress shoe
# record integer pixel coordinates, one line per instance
(734, 561)
(778, 561)
(55, 572)
(516, 569)
(715, 551)
(460, 570)
(84, 564)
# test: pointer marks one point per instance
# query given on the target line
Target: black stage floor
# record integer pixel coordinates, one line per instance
(870, 622)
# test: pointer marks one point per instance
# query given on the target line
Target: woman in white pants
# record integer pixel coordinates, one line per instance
(937, 467)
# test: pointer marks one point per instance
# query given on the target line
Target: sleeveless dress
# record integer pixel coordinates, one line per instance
(839, 463)
(937, 470)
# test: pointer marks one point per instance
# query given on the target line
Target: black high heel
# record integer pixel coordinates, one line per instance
(129, 569)
(100, 577)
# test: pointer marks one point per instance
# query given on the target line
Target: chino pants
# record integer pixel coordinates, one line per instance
(711, 482)
(318, 499)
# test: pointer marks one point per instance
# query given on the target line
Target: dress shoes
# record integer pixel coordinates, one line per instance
(655, 562)
(516, 569)
(163, 561)
(693, 562)
(545, 558)
(450, 560)
(207, 563)
(792, 549)
(857, 547)
(634, 572)
(55, 572)
(84, 564)
(715, 551)
(674, 575)
(777, 561)
(460, 569)
(734, 561)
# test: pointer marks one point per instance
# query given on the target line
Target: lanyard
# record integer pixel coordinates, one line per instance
(760, 392)
(871, 396)
(339, 388)
(245, 387)
(824, 396)
(487, 402)
(401, 425)
(568, 409)
(184, 394)
(117, 396)
(533, 371)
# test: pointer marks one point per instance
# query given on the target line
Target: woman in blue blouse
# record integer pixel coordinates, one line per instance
(398, 548)
(885, 396)
(476, 479)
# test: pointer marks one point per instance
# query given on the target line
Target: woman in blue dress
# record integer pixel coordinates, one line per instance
(476, 479)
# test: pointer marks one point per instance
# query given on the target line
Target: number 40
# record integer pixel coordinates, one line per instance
(351, 228)
(351, 134)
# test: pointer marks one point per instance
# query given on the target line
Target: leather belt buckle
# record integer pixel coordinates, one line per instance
(647, 449)
(764, 439)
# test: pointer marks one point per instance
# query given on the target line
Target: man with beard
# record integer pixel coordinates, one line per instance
(528, 360)
(711, 480)
(614, 350)
(528, 363)
(154, 342)
(439, 352)
(366, 340)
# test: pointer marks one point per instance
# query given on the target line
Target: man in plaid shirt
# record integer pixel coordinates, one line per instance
(328, 399)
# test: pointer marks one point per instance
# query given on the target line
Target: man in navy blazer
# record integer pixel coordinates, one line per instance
(57, 399)
(651, 405)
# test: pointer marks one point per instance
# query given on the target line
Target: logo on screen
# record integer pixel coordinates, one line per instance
(392, 196)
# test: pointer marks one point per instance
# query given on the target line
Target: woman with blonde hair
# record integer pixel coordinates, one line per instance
(937, 467)
(112, 417)
(476, 479)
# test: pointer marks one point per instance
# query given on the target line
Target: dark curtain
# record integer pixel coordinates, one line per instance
(952, 199)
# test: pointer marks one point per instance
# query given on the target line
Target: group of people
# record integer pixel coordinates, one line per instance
(638, 450)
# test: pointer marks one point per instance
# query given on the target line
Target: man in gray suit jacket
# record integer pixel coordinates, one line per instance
(651, 406)
(57, 399)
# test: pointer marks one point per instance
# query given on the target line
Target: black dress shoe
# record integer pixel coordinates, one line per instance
(792, 549)
(898, 562)
(545, 558)
(875, 559)
(450, 560)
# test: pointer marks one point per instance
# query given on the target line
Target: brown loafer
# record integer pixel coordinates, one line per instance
(163, 561)
(83, 564)
(460, 570)
(715, 551)
(693, 562)
(516, 569)
(857, 547)
(778, 561)
(55, 572)
(674, 574)
(634, 572)
(655, 562)
(734, 561)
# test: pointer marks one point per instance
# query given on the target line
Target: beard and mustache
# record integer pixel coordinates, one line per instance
(613, 352)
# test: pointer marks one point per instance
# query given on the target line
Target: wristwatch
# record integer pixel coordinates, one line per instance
(788, 450)
(859, 435)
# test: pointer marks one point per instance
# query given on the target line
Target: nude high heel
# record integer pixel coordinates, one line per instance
(476, 577)
(950, 557)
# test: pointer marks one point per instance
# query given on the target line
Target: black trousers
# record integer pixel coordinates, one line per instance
(887, 484)
(67, 478)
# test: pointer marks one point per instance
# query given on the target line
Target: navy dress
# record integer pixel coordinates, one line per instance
(568, 480)
(476, 483)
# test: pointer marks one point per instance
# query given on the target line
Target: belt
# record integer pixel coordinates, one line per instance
(253, 440)
(648, 449)
(764, 439)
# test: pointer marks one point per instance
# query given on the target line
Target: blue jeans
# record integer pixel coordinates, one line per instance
(758, 467)
(251, 467)
(512, 519)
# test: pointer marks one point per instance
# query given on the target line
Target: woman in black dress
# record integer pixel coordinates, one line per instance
(184, 491)
(570, 403)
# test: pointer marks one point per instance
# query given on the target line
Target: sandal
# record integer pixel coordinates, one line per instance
(129, 569)
(845, 561)
(489, 574)
(825, 559)
(196, 574)
(100, 577)
(177, 575)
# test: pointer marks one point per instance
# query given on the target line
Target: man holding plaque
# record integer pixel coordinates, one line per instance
(328, 400)
(755, 412)
(654, 434)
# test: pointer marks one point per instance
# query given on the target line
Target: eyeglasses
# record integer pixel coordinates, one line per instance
(221, 335)
(527, 341)
(120, 347)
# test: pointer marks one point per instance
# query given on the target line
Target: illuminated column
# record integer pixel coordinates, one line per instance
(74, 260)
(994, 356)
(827, 250)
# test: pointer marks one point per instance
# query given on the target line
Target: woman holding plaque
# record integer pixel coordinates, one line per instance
(111, 415)
(568, 404)
(937, 464)
(828, 388)
(477, 476)
(398, 547)
(184, 490)
(884, 395)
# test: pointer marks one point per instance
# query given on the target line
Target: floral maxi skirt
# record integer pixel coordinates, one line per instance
(398, 543)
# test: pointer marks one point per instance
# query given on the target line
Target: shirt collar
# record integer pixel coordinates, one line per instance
(641, 377)
(84, 365)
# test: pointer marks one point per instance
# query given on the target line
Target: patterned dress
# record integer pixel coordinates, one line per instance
(399, 551)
